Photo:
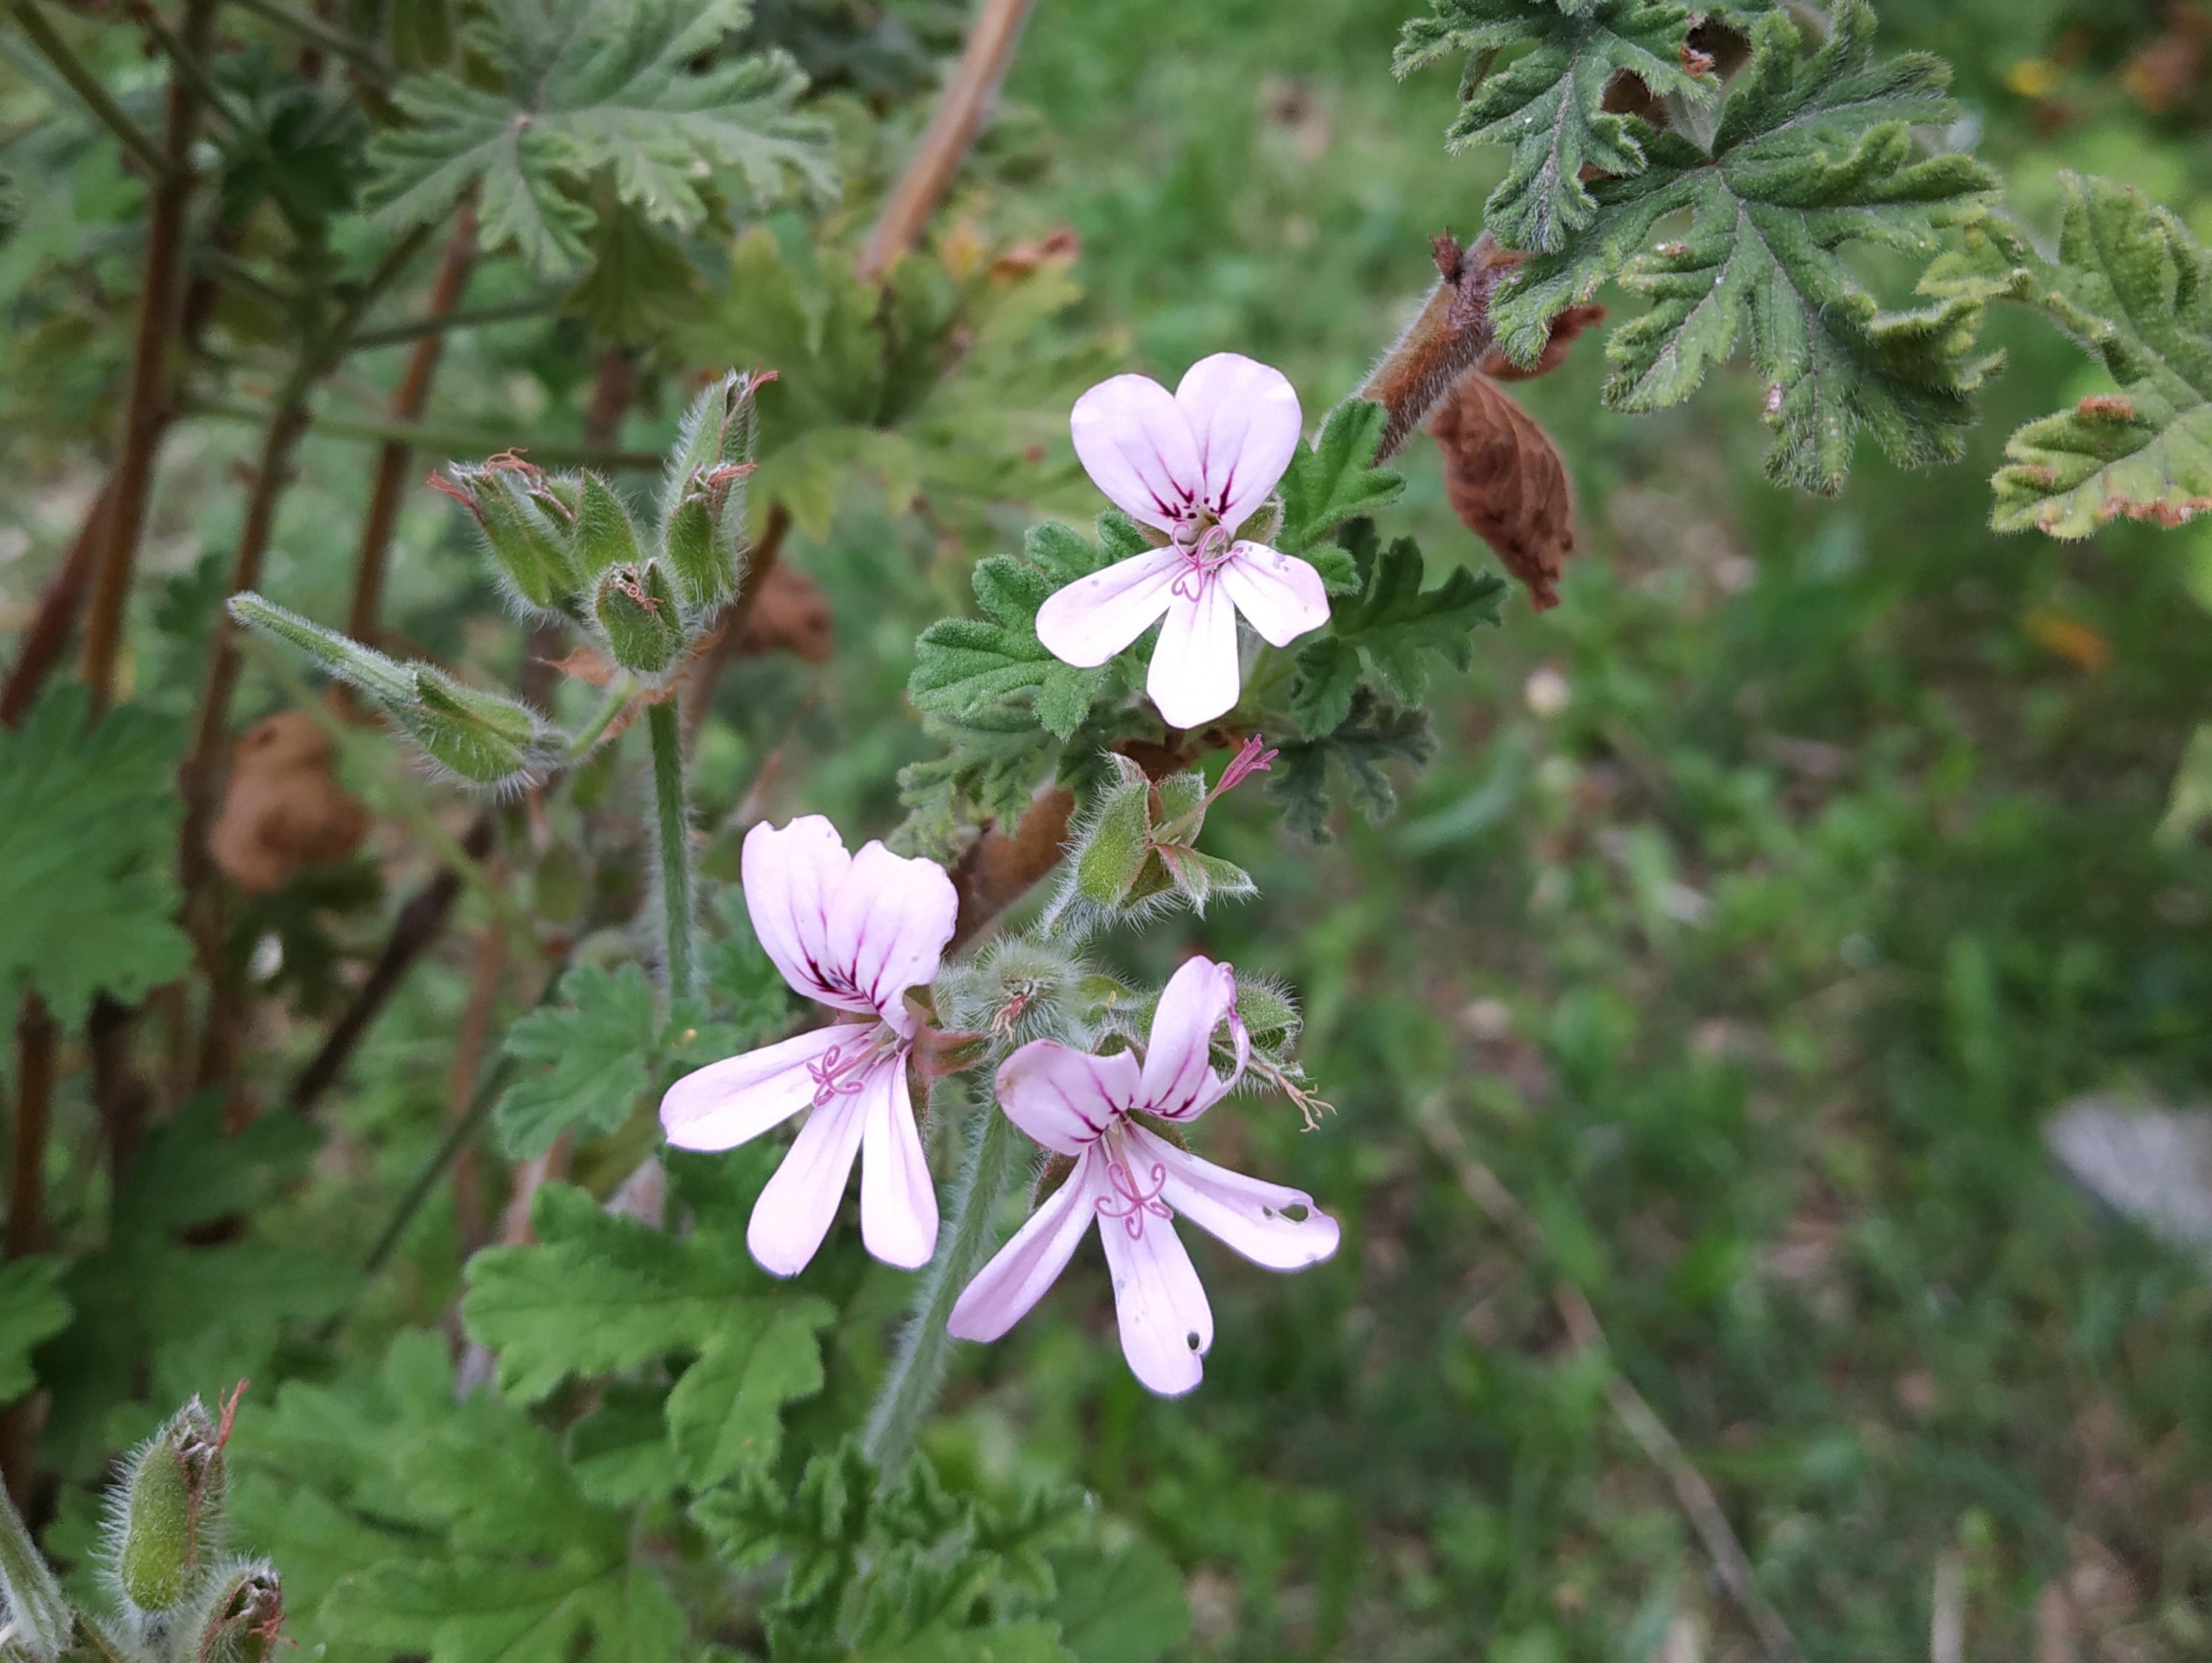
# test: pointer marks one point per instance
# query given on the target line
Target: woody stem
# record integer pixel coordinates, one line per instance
(675, 817)
(963, 1241)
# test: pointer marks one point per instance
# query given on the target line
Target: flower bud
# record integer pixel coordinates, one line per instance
(486, 738)
(172, 1505)
(528, 522)
(638, 614)
(604, 536)
(381, 678)
(703, 505)
(240, 1617)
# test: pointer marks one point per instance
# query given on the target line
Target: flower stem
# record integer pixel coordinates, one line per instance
(966, 1241)
(675, 815)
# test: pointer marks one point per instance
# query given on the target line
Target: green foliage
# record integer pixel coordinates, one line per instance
(1304, 779)
(86, 855)
(31, 1312)
(1547, 102)
(1384, 636)
(416, 1522)
(899, 1571)
(988, 772)
(600, 1292)
(589, 96)
(1333, 480)
(1812, 152)
(967, 669)
(2135, 289)
(36, 1610)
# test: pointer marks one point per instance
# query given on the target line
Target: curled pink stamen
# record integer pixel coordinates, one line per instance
(1129, 1204)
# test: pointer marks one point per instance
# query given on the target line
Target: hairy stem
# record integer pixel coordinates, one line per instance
(991, 41)
(1449, 336)
(407, 402)
(966, 1238)
(145, 404)
(679, 950)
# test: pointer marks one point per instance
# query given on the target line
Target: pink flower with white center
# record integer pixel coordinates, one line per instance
(854, 933)
(1133, 1182)
(1195, 464)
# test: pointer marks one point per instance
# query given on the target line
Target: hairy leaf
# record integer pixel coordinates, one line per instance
(2135, 289)
(1332, 481)
(88, 846)
(964, 667)
(593, 93)
(598, 1047)
(32, 1311)
(1548, 103)
(1384, 636)
(1308, 776)
(1812, 153)
(989, 772)
(600, 1292)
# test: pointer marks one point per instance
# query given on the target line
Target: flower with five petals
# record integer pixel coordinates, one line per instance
(854, 933)
(1195, 464)
(1132, 1181)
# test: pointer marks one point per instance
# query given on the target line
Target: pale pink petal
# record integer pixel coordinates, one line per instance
(898, 1203)
(1065, 1098)
(1194, 675)
(1005, 1290)
(889, 923)
(1245, 418)
(729, 1103)
(1179, 1082)
(1132, 441)
(1279, 595)
(792, 873)
(1166, 1324)
(1095, 617)
(794, 1210)
(1245, 1213)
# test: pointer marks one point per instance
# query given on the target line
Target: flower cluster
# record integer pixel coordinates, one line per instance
(861, 935)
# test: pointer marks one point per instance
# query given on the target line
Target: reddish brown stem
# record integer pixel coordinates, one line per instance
(991, 41)
(47, 638)
(1451, 334)
(408, 399)
(147, 401)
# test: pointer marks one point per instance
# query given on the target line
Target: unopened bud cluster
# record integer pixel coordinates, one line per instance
(566, 546)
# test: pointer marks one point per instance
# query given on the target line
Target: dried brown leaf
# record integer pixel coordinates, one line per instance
(283, 808)
(790, 614)
(1507, 484)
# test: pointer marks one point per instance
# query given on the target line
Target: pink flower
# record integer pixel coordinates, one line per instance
(1134, 1181)
(1196, 465)
(854, 933)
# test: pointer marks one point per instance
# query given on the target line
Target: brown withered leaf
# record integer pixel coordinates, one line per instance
(1507, 484)
(1061, 243)
(283, 808)
(587, 665)
(789, 614)
(2168, 71)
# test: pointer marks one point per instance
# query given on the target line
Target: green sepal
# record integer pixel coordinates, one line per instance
(605, 538)
(527, 521)
(173, 1494)
(1116, 844)
(485, 738)
(703, 500)
(638, 613)
(238, 1615)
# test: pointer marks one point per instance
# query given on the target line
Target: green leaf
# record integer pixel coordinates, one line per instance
(589, 96)
(965, 666)
(989, 772)
(1128, 1609)
(1385, 635)
(600, 1292)
(1330, 481)
(88, 850)
(32, 1311)
(1548, 103)
(1812, 153)
(2135, 289)
(2189, 804)
(1305, 777)
(598, 1047)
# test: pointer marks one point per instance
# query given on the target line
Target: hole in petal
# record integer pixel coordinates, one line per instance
(1191, 1339)
(1298, 1212)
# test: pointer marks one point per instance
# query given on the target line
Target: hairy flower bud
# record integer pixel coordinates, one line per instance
(240, 1618)
(528, 522)
(703, 501)
(486, 738)
(604, 536)
(171, 1500)
(637, 612)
